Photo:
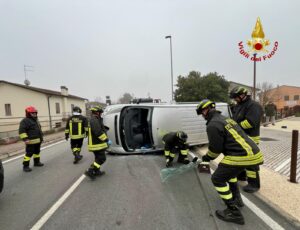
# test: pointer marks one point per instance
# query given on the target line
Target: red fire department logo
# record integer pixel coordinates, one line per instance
(258, 45)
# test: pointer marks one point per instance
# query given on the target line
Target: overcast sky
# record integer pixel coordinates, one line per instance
(98, 48)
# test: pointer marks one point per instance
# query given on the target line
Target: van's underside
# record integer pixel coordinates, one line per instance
(136, 129)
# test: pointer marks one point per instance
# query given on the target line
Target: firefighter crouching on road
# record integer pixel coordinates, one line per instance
(31, 133)
(247, 113)
(76, 129)
(226, 136)
(97, 142)
(175, 142)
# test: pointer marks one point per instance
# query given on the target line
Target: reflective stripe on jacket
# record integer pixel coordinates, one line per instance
(30, 129)
(248, 115)
(97, 139)
(77, 127)
(227, 137)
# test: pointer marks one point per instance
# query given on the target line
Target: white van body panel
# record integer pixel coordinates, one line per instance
(139, 128)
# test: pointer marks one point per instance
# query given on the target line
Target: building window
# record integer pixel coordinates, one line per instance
(286, 98)
(57, 108)
(7, 110)
(296, 97)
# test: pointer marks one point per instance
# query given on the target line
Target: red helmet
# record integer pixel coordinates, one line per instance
(30, 109)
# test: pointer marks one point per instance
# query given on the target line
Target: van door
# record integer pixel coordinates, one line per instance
(136, 128)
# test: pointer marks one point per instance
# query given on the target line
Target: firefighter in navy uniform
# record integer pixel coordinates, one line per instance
(98, 142)
(227, 137)
(76, 129)
(31, 133)
(175, 142)
(247, 113)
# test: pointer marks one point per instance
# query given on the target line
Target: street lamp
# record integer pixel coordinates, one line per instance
(170, 37)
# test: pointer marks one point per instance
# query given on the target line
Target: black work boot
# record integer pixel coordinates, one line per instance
(98, 172)
(27, 169)
(238, 201)
(90, 173)
(232, 214)
(37, 162)
(250, 188)
(77, 157)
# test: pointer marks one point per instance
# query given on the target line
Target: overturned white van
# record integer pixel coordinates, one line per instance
(139, 128)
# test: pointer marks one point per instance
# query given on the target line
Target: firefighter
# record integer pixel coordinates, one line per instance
(175, 142)
(227, 137)
(76, 129)
(247, 114)
(98, 142)
(31, 133)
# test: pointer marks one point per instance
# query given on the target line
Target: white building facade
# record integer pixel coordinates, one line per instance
(53, 107)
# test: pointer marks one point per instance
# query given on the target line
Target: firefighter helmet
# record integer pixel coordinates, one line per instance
(76, 110)
(205, 103)
(29, 110)
(237, 91)
(96, 109)
(182, 136)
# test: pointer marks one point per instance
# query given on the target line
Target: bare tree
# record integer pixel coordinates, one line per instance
(264, 93)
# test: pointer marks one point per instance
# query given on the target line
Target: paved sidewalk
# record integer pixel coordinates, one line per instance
(19, 147)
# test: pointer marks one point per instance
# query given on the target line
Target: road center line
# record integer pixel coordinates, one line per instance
(57, 204)
(48, 146)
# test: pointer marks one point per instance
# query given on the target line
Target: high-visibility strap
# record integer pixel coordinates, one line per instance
(71, 127)
(184, 152)
(243, 160)
(77, 136)
(26, 158)
(245, 124)
(226, 197)
(212, 154)
(238, 138)
(167, 153)
(172, 155)
(97, 147)
(36, 155)
(233, 180)
(103, 137)
(67, 131)
(96, 165)
(79, 128)
(251, 174)
(23, 135)
(222, 189)
(34, 141)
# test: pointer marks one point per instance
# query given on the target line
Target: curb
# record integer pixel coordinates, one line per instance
(268, 203)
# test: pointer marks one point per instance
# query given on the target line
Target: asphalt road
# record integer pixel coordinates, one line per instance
(129, 196)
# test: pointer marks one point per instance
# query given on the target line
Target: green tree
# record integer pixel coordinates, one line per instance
(125, 99)
(195, 87)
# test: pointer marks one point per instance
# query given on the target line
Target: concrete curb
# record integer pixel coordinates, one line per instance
(266, 201)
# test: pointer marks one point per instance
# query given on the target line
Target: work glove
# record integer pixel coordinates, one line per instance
(67, 137)
(109, 142)
(206, 158)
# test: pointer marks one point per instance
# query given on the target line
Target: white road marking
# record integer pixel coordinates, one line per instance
(48, 146)
(260, 213)
(283, 164)
(57, 204)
